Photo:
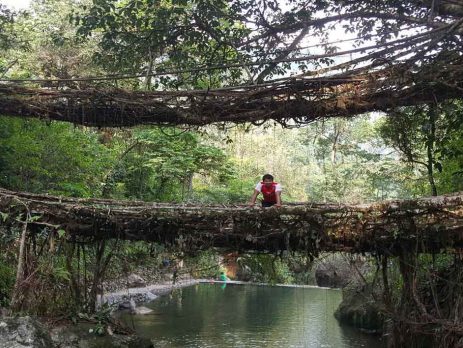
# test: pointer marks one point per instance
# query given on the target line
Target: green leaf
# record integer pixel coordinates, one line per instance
(35, 218)
(4, 216)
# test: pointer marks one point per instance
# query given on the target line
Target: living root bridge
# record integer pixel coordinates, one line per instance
(289, 102)
(427, 224)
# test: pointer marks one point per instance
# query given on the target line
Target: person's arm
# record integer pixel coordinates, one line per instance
(278, 203)
(253, 198)
(278, 190)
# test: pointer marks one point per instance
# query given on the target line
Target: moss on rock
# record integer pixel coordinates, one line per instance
(359, 309)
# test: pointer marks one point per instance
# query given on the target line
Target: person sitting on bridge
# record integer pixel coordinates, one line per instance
(271, 191)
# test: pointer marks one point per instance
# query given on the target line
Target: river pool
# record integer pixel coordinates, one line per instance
(219, 315)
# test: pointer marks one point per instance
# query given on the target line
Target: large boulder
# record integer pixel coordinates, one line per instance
(23, 332)
(336, 271)
(331, 277)
(135, 281)
(121, 299)
(359, 309)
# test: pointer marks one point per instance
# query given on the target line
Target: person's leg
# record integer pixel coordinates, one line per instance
(267, 204)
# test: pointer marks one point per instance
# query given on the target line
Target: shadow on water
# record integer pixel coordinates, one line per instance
(213, 315)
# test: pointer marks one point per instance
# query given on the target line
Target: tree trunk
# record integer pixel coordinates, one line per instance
(149, 70)
(16, 297)
(101, 264)
(430, 148)
(69, 248)
(188, 184)
(334, 146)
(97, 275)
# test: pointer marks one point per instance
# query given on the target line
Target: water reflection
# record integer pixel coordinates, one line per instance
(214, 315)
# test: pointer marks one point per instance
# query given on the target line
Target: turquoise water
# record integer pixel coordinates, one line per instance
(213, 315)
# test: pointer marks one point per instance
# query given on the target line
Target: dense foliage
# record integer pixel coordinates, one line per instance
(336, 161)
(139, 36)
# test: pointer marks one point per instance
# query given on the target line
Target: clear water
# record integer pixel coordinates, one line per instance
(214, 315)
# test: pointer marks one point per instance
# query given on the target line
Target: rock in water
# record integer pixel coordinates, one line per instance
(138, 310)
(143, 310)
(359, 309)
(132, 306)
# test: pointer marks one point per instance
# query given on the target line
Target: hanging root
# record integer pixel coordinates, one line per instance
(428, 305)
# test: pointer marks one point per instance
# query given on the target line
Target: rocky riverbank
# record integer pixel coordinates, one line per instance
(30, 332)
(120, 299)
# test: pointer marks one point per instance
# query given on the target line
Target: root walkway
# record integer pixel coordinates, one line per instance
(427, 224)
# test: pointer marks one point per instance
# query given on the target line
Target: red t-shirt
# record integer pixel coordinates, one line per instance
(269, 193)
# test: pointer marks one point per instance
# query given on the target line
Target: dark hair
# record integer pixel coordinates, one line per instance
(267, 176)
